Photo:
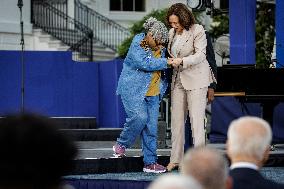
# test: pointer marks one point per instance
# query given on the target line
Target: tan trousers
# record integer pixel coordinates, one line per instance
(193, 101)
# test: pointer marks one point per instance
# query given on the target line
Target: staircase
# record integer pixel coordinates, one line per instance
(102, 53)
(46, 42)
(95, 146)
(53, 19)
(90, 35)
(106, 31)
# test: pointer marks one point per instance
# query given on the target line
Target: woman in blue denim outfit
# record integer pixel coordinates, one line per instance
(141, 86)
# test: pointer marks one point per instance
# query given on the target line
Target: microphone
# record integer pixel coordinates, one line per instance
(20, 3)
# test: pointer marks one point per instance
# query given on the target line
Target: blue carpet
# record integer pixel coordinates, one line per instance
(141, 176)
(274, 173)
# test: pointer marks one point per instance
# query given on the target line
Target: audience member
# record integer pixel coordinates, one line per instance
(208, 166)
(34, 154)
(248, 147)
(174, 181)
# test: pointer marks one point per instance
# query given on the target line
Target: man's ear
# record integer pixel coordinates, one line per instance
(228, 151)
(229, 183)
(227, 147)
(266, 155)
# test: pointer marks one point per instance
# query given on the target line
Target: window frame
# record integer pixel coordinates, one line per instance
(143, 7)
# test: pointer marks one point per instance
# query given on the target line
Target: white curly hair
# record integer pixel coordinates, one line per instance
(157, 28)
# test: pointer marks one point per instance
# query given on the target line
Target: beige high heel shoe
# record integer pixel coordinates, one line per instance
(172, 166)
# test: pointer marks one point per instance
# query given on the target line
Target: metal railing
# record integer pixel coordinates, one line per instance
(61, 5)
(54, 20)
(106, 31)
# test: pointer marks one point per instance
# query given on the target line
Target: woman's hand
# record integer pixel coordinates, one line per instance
(177, 62)
(210, 95)
(170, 61)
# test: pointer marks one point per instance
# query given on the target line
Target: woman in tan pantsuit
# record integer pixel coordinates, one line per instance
(190, 80)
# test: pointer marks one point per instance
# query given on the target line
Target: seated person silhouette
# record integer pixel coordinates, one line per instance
(34, 154)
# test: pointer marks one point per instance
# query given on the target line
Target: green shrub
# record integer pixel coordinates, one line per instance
(137, 27)
(219, 26)
(264, 33)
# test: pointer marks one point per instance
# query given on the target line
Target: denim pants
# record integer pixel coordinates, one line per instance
(142, 121)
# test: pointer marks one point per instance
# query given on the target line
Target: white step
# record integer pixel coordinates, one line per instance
(54, 43)
(37, 32)
(99, 46)
(44, 38)
(103, 51)
(63, 48)
(105, 55)
(49, 43)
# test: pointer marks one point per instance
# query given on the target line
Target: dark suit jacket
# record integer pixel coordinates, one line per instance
(246, 178)
(210, 56)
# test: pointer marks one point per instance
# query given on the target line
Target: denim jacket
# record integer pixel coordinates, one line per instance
(136, 74)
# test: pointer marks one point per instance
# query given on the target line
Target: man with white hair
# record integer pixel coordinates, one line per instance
(174, 181)
(248, 147)
(208, 166)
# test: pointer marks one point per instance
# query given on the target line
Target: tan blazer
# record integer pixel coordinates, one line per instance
(195, 72)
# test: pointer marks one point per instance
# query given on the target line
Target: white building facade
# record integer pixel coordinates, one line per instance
(126, 12)
(10, 25)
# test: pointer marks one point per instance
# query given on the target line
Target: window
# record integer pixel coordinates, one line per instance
(224, 4)
(127, 5)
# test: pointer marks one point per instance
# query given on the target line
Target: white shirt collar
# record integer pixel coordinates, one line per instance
(244, 165)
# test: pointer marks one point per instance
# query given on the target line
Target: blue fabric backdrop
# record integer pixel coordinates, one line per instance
(242, 31)
(279, 33)
(57, 86)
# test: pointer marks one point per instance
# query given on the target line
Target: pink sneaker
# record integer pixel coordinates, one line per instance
(119, 150)
(154, 168)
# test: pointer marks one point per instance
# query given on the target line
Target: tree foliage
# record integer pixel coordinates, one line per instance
(219, 26)
(265, 33)
(137, 27)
